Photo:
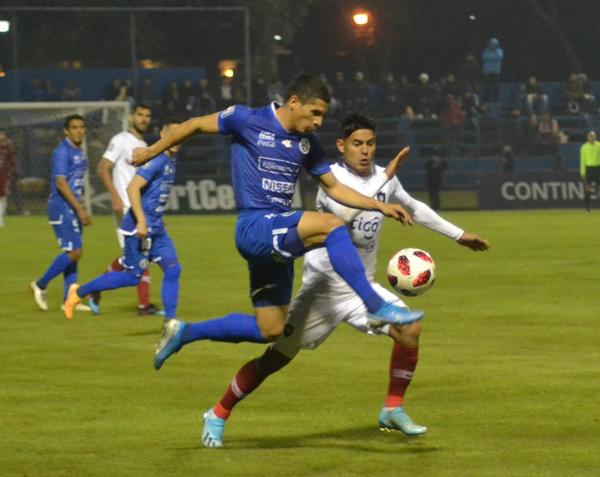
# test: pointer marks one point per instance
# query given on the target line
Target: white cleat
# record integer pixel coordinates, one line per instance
(39, 295)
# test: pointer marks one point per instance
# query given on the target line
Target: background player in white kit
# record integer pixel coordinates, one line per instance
(325, 300)
(116, 159)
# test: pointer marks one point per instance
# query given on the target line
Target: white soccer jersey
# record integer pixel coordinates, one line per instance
(325, 300)
(119, 152)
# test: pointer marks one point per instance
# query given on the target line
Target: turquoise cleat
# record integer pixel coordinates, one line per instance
(170, 341)
(396, 315)
(94, 306)
(397, 420)
(212, 434)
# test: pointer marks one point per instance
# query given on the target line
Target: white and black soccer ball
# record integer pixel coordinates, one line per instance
(411, 271)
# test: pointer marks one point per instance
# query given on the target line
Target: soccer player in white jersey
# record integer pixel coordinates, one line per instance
(116, 172)
(325, 300)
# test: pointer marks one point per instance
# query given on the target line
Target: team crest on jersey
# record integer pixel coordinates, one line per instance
(227, 111)
(304, 146)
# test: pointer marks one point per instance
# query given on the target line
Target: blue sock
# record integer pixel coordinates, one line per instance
(170, 286)
(70, 276)
(346, 262)
(233, 328)
(108, 281)
(58, 266)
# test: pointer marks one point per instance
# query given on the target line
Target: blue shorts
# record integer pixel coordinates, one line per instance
(66, 225)
(157, 247)
(259, 237)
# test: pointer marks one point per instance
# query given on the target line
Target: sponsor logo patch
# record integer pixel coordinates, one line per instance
(278, 166)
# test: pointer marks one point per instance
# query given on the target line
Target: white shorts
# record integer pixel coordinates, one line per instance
(313, 316)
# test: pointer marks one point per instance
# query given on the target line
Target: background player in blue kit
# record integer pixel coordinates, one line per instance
(145, 236)
(270, 146)
(65, 212)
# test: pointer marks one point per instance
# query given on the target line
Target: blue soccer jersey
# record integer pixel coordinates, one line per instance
(160, 175)
(70, 162)
(266, 160)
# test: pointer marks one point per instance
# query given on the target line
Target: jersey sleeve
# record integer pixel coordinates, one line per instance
(233, 119)
(422, 213)
(60, 162)
(316, 164)
(113, 150)
(322, 202)
(151, 169)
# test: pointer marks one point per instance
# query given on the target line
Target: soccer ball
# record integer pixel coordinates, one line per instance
(411, 271)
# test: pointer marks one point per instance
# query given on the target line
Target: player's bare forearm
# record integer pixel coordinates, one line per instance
(347, 196)
(63, 188)
(134, 191)
(176, 135)
(104, 173)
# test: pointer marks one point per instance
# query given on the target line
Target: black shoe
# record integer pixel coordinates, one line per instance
(149, 310)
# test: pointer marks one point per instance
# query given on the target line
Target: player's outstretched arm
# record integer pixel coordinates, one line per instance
(474, 242)
(175, 135)
(347, 196)
(63, 187)
(134, 191)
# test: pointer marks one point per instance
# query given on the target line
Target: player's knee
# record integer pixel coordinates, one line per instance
(272, 330)
(75, 255)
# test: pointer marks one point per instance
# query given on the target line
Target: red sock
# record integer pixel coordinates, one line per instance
(143, 290)
(402, 367)
(115, 266)
(244, 382)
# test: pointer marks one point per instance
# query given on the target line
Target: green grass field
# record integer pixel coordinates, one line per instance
(508, 379)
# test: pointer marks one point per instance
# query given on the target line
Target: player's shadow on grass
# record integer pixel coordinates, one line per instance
(363, 439)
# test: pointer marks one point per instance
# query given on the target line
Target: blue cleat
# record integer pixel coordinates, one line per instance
(170, 341)
(397, 420)
(396, 315)
(212, 433)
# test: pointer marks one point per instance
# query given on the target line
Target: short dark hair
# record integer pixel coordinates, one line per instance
(353, 122)
(308, 88)
(72, 117)
(141, 106)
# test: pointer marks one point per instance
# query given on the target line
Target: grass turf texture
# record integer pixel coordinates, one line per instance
(507, 381)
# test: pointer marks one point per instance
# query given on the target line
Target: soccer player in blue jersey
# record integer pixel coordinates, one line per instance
(145, 236)
(66, 214)
(270, 146)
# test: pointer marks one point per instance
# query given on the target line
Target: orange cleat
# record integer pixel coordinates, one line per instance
(72, 301)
